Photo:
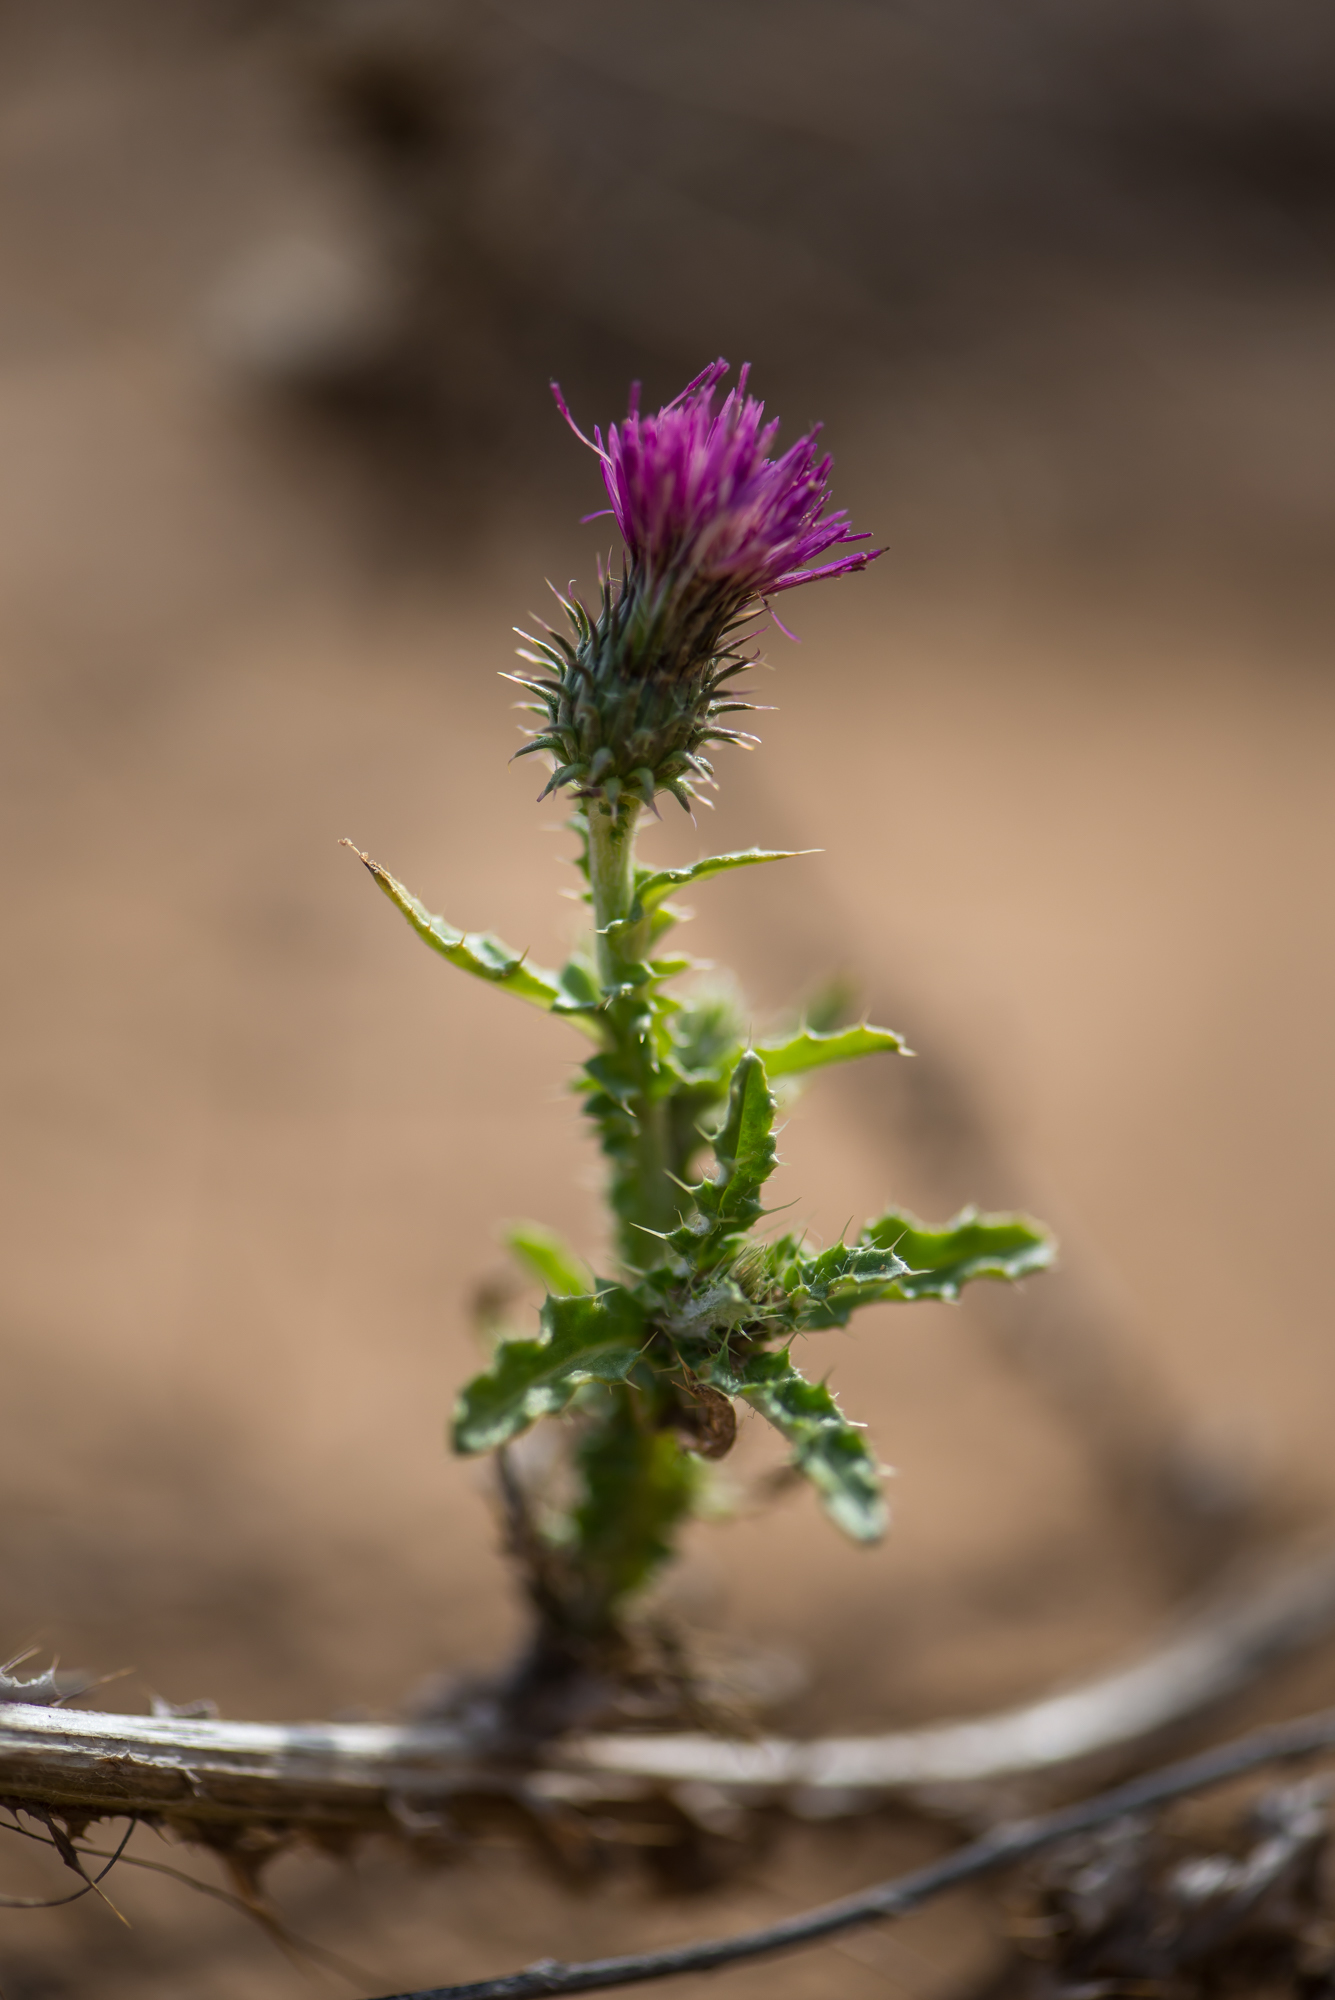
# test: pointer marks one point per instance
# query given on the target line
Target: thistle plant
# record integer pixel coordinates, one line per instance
(694, 1307)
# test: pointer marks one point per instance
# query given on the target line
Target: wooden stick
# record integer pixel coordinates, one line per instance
(339, 1778)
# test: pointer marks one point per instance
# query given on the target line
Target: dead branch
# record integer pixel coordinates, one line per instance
(205, 1777)
(1013, 1841)
(211, 1780)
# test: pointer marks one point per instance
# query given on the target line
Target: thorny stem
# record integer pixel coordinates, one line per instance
(612, 881)
(622, 948)
(619, 1461)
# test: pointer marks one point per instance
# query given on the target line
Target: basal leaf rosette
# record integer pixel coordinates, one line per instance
(637, 689)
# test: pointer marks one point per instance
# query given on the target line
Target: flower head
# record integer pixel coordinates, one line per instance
(713, 527)
(699, 500)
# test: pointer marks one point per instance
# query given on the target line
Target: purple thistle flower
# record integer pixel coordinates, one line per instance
(699, 501)
(635, 694)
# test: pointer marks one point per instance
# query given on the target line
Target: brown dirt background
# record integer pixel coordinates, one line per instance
(1066, 752)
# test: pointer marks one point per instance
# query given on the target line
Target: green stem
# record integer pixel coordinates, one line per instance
(612, 880)
(651, 1200)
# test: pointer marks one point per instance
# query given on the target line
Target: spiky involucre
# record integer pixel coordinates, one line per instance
(630, 699)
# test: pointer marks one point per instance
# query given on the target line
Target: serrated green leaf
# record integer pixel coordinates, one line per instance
(593, 1338)
(477, 952)
(807, 1050)
(745, 1152)
(970, 1246)
(744, 1143)
(826, 1290)
(549, 1258)
(830, 1451)
(650, 889)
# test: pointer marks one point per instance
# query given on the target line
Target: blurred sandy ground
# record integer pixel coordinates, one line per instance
(1066, 751)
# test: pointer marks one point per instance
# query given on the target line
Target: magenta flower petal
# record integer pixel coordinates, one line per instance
(701, 503)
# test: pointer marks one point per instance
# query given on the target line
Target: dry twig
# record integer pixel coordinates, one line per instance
(1014, 1841)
